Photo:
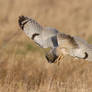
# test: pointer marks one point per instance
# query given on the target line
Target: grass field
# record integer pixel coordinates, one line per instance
(23, 67)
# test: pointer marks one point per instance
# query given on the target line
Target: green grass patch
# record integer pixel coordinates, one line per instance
(21, 51)
(30, 47)
(90, 39)
(26, 47)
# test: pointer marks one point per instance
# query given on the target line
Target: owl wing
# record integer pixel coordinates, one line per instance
(44, 37)
(76, 46)
(66, 41)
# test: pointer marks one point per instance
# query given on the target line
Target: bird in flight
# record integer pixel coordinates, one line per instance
(60, 44)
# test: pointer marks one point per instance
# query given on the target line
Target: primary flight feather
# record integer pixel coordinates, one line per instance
(44, 36)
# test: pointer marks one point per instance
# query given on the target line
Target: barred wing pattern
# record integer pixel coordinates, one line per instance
(45, 37)
(75, 46)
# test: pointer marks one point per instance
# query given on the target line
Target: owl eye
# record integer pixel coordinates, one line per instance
(86, 55)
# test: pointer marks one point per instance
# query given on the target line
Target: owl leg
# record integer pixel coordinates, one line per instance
(60, 57)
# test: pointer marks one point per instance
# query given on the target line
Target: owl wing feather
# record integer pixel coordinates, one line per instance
(42, 36)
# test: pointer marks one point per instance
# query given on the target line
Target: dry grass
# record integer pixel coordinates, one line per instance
(23, 67)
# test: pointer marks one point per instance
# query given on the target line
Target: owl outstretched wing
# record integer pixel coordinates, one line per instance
(45, 37)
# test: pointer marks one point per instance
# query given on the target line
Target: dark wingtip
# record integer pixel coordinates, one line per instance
(20, 21)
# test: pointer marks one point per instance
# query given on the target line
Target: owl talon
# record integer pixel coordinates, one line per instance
(58, 59)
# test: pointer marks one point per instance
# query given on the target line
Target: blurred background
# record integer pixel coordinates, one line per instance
(23, 67)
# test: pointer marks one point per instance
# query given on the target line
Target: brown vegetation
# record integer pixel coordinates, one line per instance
(23, 67)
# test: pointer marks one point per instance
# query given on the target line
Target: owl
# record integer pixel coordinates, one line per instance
(60, 44)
